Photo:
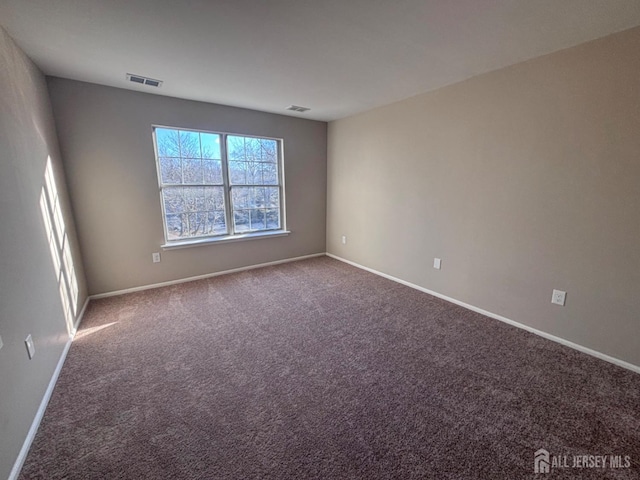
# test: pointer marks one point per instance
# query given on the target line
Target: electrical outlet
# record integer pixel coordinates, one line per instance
(31, 348)
(344, 239)
(155, 257)
(558, 297)
(437, 263)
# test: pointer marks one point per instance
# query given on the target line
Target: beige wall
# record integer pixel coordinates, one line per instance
(30, 301)
(522, 180)
(106, 141)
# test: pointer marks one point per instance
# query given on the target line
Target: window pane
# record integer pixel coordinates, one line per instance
(197, 223)
(237, 173)
(217, 222)
(269, 151)
(258, 219)
(273, 218)
(171, 171)
(192, 171)
(214, 198)
(235, 147)
(173, 200)
(176, 226)
(189, 144)
(167, 142)
(210, 144)
(252, 149)
(272, 196)
(212, 171)
(240, 197)
(241, 220)
(194, 199)
(259, 199)
(194, 211)
(254, 173)
(269, 173)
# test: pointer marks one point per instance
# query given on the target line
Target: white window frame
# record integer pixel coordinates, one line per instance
(230, 235)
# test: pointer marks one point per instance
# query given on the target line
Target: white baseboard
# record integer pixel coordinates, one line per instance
(200, 277)
(548, 336)
(15, 471)
(22, 456)
(47, 396)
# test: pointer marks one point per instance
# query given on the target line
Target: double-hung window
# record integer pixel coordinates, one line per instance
(218, 185)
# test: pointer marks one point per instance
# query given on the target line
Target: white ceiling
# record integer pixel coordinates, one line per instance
(338, 57)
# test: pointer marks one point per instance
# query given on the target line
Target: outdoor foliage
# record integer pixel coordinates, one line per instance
(191, 170)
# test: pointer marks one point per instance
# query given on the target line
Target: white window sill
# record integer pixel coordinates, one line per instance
(197, 242)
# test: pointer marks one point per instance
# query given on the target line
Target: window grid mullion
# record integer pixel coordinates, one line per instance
(280, 177)
(181, 159)
(228, 208)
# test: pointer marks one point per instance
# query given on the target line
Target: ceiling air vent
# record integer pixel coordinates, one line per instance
(143, 80)
(297, 108)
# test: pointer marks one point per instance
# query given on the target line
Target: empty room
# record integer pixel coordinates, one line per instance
(352, 239)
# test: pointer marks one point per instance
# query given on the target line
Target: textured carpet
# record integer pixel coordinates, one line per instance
(318, 370)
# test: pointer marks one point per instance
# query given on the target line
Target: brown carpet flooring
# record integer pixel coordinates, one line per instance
(318, 370)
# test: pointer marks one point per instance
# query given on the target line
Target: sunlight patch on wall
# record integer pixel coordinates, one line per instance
(59, 247)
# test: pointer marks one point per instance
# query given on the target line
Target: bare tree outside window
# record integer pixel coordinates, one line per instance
(217, 184)
(253, 175)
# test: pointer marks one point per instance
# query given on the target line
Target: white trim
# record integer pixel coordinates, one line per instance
(200, 277)
(226, 185)
(198, 242)
(80, 316)
(548, 336)
(22, 456)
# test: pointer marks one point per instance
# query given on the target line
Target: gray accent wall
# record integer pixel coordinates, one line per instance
(30, 283)
(522, 180)
(106, 140)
